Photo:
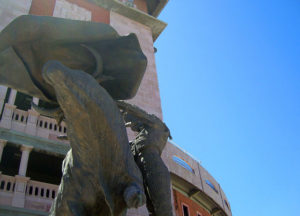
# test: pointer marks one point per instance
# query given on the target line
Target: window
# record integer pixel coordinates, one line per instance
(211, 185)
(182, 163)
(198, 214)
(185, 210)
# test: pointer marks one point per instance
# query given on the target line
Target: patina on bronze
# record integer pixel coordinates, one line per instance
(83, 67)
(100, 176)
(147, 148)
(28, 42)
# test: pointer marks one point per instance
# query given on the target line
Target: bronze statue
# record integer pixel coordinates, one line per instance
(100, 176)
(28, 42)
(82, 68)
(147, 148)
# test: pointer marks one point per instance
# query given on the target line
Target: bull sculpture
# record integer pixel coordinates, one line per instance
(81, 67)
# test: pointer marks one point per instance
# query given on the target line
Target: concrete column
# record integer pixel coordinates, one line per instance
(20, 190)
(3, 91)
(12, 97)
(2, 145)
(24, 159)
(21, 181)
(32, 122)
(7, 116)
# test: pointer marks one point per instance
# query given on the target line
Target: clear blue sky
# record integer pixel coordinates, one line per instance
(229, 76)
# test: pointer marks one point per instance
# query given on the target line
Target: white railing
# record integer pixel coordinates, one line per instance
(37, 195)
(19, 120)
(7, 183)
(48, 128)
(20, 116)
(32, 123)
(41, 190)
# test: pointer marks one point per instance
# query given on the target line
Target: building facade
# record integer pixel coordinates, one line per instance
(30, 153)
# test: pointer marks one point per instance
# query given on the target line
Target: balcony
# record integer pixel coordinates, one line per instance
(34, 195)
(32, 123)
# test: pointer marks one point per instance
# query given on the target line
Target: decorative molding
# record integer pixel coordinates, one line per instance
(42, 144)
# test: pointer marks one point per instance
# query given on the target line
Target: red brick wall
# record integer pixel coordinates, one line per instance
(141, 5)
(42, 7)
(194, 208)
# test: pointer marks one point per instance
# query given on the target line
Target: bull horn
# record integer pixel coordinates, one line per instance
(99, 62)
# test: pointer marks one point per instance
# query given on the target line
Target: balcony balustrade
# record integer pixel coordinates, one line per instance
(30, 122)
(38, 195)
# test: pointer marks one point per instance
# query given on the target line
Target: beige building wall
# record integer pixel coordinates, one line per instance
(226, 204)
(147, 97)
(215, 195)
(193, 177)
(11, 9)
(68, 10)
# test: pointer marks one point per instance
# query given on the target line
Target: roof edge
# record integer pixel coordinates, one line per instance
(157, 26)
(160, 6)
